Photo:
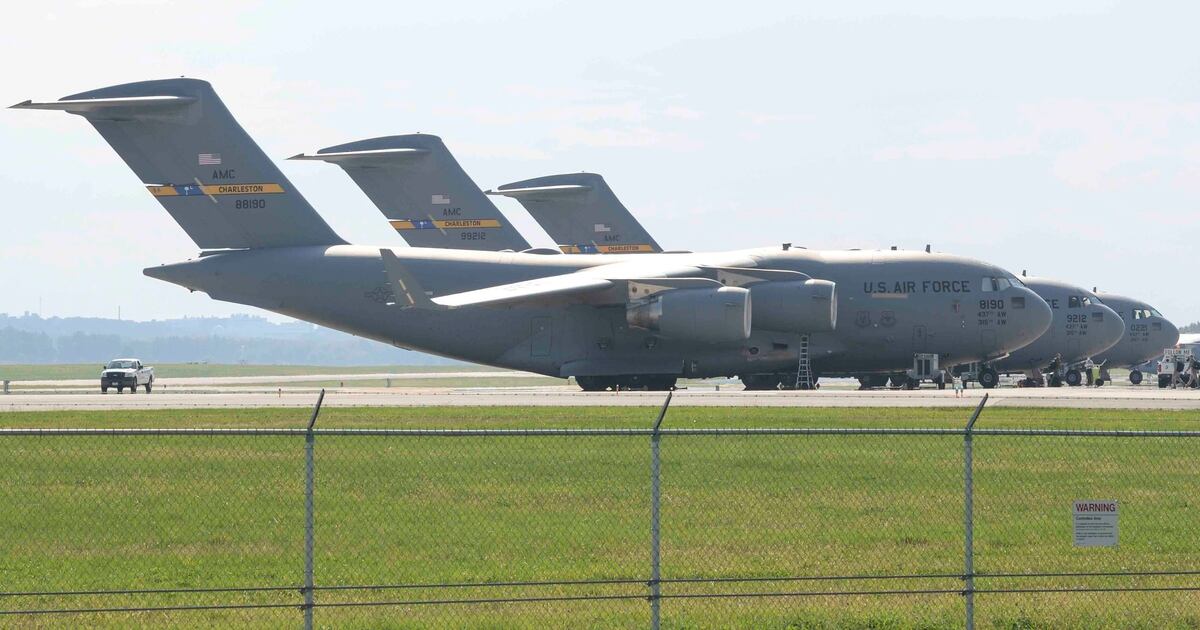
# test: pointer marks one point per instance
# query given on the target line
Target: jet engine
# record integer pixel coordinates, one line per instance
(718, 315)
(799, 306)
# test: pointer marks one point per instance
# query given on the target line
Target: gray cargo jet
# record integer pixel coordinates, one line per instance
(1147, 333)
(1082, 328)
(426, 196)
(581, 213)
(615, 320)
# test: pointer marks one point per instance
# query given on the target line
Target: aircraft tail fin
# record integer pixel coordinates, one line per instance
(426, 196)
(581, 213)
(197, 161)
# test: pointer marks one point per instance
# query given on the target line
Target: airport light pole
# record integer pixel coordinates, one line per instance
(309, 478)
(655, 510)
(969, 516)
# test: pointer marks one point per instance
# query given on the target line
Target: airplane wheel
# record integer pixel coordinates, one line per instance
(1164, 381)
(988, 378)
(1135, 377)
(869, 381)
(759, 382)
(660, 383)
(591, 383)
(1099, 382)
(1074, 378)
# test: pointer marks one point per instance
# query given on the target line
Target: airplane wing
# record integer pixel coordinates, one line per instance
(566, 284)
(574, 284)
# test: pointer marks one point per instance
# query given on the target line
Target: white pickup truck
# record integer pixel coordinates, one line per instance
(122, 373)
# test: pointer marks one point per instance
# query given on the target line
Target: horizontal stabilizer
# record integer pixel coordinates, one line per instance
(365, 159)
(140, 104)
(541, 192)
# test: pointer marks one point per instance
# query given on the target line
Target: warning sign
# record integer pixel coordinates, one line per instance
(1095, 523)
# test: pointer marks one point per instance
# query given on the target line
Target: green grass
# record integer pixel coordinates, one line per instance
(173, 511)
(34, 372)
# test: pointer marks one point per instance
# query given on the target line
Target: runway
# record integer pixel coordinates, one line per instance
(91, 384)
(1114, 397)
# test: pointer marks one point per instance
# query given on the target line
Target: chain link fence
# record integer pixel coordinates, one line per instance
(797, 528)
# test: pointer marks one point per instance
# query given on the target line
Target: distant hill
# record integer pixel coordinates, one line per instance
(236, 339)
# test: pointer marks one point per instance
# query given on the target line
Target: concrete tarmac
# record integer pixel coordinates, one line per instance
(1109, 397)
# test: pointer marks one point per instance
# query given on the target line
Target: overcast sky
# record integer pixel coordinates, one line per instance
(1062, 140)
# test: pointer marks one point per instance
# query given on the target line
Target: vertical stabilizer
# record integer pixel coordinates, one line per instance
(199, 163)
(426, 196)
(581, 213)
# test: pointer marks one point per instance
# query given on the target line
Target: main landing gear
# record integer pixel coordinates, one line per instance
(646, 382)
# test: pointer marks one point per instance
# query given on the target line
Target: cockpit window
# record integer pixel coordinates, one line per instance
(1087, 301)
(992, 283)
(1141, 313)
(1073, 301)
(1155, 313)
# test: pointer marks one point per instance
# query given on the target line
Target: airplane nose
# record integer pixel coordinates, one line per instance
(1109, 331)
(1038, 313)
(1029, 323)
(1170, 334)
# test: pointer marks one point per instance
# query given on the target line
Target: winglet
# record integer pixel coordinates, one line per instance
(409, 292)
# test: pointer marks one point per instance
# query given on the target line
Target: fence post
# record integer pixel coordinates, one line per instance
(655, 513)
(969, 516)
(309, 440)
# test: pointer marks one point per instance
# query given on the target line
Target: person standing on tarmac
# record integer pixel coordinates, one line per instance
(958, 386)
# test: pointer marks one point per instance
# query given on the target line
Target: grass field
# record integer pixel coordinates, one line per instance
(98, 512)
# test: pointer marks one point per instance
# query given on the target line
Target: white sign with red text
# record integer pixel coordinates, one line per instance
(1095, 523)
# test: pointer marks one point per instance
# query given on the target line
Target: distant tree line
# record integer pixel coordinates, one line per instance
(1193, 327)
(19, 346)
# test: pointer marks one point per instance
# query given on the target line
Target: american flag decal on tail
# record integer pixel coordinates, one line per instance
(209, 159)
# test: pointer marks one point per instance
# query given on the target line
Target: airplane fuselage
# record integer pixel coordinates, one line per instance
(890, 304)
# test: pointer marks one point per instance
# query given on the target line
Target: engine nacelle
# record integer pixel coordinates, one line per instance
(720, 315)
(808, 306)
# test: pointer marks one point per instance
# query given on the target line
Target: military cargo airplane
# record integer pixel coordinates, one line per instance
(1082, 328)
(614, 320)
(1147, 333)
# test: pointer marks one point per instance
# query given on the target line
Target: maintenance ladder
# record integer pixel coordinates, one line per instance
(804, 375)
